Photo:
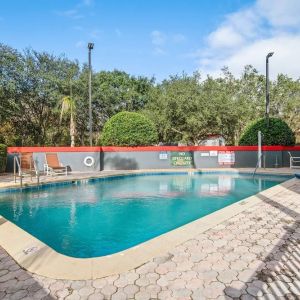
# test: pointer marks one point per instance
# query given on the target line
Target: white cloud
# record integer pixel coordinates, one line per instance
(237, 28)
(158, 38)
(178, 38)
(159, 51)
(161, 41)
(95, 34)
(80, 44)
(71, 13)
(280, 12)
(285, 49)
(225, 36)
(87, 2)
(246, 36)
(78, 11)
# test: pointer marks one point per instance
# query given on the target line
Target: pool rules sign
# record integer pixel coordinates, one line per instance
(226, 158)
(182, 159)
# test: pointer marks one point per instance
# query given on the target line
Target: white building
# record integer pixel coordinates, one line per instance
(213, 140)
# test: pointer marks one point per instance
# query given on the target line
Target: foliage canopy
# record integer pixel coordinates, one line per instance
(3, 157)
(129, 129)
(277, 133)
(184, 108)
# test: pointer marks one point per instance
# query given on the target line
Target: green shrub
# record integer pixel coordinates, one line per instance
(3, 157)
(278, 133)
(128, 129)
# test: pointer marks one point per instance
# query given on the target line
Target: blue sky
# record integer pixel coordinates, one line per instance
(158, 37)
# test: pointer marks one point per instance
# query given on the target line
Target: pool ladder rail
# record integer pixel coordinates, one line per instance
(257, 164)
(25, 166)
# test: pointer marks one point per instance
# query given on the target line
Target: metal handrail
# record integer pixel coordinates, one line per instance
(257, 164)
(17, 163)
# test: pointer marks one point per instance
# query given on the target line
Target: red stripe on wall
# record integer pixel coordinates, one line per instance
(53, 149)
(178, 148)
(150, 149)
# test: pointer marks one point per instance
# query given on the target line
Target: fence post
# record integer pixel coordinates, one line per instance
(259, 149)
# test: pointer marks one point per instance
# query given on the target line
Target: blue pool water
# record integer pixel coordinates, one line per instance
(106, 216)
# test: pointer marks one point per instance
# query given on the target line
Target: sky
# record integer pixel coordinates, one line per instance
(160, 37)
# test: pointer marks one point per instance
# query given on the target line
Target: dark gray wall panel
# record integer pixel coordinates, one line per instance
(75, 160)
(151, 160)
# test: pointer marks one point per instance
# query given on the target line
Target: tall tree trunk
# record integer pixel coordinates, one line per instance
(72, 131)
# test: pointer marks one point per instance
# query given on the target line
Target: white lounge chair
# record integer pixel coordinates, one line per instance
(24, 164)
(294, 161)
(53, 165)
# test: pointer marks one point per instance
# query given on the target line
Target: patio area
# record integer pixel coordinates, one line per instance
(252, 255)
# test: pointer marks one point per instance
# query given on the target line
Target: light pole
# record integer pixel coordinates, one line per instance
(267, 87)
(90, 47)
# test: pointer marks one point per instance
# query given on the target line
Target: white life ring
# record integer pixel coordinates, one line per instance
(89, 161)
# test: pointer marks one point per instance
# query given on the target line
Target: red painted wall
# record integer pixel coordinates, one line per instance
(150, 149)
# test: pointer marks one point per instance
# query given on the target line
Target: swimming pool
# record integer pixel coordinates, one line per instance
(103, 216)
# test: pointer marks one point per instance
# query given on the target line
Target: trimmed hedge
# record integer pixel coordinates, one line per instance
(129, 129)
(3, 157)
(278, 133)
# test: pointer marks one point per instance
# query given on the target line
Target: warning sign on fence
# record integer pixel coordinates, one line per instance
(226, 157)
(182, 159)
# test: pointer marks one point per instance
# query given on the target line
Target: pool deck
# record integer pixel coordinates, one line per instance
(248, 250)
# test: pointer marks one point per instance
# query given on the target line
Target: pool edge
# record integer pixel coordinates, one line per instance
(104, 176)
(36, 257)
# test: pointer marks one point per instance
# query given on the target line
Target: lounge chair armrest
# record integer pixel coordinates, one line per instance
(295, 159)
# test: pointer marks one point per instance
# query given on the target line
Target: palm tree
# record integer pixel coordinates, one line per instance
(68, 107)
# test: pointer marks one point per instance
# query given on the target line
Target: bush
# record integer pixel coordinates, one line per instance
(278, 133)
(128, 129)
(3, 157)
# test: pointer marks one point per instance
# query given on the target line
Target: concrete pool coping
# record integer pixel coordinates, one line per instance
(35, 256)
(7, 181)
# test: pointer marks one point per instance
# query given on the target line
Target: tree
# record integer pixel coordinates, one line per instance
(247, 101)
(277, 132)
(174, 108)
(187, 109)
(31, 85)
(128, 129)
(112, 92)
(3, 157)
(117, 91)
(183, 108)
(68, 108)
(285, 96)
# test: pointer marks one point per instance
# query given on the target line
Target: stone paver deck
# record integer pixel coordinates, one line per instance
(254, 255)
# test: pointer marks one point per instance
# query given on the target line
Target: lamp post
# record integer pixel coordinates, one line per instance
(90, 47)
(267, 87)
